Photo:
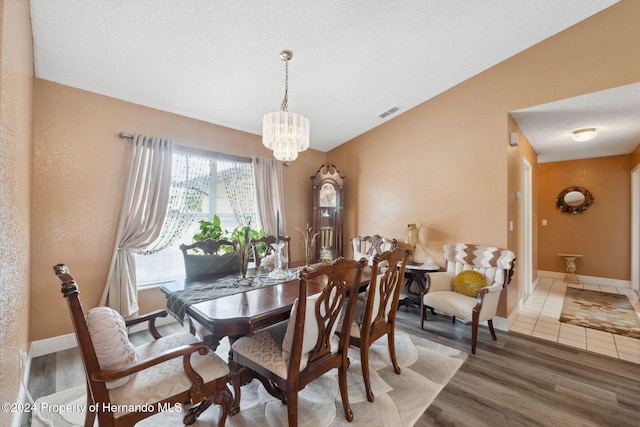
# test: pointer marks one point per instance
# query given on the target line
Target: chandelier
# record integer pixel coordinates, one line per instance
(284, 132)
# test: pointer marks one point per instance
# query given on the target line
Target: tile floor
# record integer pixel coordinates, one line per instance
(540, 314)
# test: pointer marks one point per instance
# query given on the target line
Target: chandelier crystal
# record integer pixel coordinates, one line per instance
(284, 132)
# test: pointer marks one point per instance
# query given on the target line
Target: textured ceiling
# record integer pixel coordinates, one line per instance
(615, 113)
(218, 61)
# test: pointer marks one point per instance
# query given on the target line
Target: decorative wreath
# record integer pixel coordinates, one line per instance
(564, 207)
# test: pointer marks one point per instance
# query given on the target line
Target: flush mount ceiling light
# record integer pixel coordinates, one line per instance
(584, 134)
(285, 133)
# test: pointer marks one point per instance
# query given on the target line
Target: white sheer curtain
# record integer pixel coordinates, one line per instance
(238, 180)
(269, 194)
(190, 180)
(143, 211)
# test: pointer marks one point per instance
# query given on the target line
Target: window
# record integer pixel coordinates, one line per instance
(201, 186)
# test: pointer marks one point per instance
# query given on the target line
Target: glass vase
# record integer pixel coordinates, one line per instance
(280, 270)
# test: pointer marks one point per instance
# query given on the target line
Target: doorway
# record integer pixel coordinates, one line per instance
(635, 228)
(526, 249)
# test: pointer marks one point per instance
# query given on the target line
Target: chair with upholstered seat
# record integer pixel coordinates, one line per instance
(376, 317)
(368, 246)
(266, 242)
(218, 257)
(287, 356)
(471, 286)
(126, 384)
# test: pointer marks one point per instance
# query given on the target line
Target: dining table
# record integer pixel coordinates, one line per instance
(249, 307)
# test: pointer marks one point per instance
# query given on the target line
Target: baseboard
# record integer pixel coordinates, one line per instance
(53, 344)
(513, 316)
(22, 393)
(499, 323)
(588, 279)
(65, 342)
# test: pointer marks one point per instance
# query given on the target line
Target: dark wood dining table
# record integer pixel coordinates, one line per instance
(244, 312)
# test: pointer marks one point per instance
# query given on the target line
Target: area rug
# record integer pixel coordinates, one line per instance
(399, 399)
(600, 310)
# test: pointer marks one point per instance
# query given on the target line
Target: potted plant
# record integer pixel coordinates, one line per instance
(210, 230)
(241, 236)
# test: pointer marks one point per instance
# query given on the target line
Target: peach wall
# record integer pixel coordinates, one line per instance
(79, 177)
(16, 142)
(444, 163)
(601, 233)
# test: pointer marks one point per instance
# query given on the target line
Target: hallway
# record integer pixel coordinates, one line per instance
(540, 314)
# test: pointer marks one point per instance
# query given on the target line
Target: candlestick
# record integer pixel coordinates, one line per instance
(278, 227)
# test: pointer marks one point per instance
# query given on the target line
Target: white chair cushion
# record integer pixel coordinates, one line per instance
(152, 385)
(264, 347)
(452, 303)
(110, 340)
(310, 335)
(358, 315)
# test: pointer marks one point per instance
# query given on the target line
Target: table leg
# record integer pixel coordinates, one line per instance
(413, 287)
(570, 276)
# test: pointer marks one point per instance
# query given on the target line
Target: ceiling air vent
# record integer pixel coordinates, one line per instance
(389, 112)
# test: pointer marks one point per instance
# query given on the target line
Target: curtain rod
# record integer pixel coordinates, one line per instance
(198, 151)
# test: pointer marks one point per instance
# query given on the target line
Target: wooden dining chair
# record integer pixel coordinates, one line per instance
(287, 356)
(369, 246)
(375, 315)
(126, 384)
(217, 257)
(266, 242)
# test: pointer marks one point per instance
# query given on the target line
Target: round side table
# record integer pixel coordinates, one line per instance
(415, 283)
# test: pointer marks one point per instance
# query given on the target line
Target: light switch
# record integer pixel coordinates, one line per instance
(510, 225)
(544, 222)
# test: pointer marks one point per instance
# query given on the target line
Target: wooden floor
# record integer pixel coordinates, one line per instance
(518, 380)
(521, 380)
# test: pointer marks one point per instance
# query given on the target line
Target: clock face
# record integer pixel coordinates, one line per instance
(327, 195)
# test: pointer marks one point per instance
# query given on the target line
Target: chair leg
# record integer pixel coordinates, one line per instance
(89, 416)
(344, 393)
(292, 407)
(474, 331)
(194, 412)
(423, 313)
(364, 361)
(493, 333)
(392, 350)
(235, 381)
(224, 399)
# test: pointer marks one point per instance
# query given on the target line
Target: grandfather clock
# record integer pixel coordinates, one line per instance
(327, 196)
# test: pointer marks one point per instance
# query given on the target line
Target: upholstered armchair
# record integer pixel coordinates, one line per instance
(126, 384)
(369, 246)
(471, 286)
